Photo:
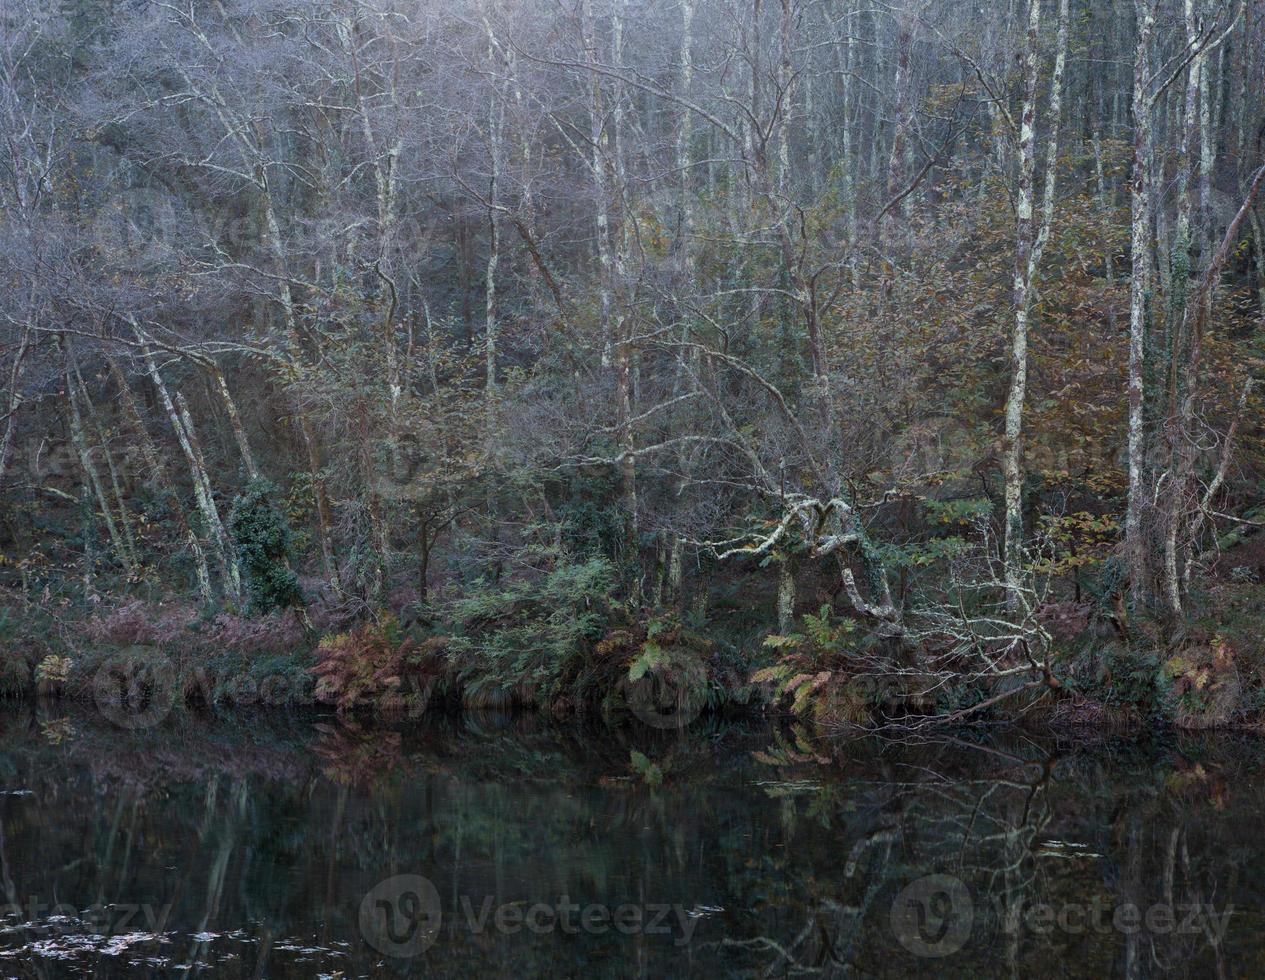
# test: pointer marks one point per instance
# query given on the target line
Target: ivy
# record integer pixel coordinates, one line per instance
(264, 544)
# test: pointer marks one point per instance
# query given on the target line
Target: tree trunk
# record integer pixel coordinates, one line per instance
(616, 345)
(324, 518)
(379, 536)
(1029, 246)
(1183, 440)
(102, 438)
(785, 596)
(201, 485)
(598, 163)
(1139, 293)
(158, 474)
(1024, 241)
(92, 477)
(217, 528)
(1258, 243)
(15, 399)
(496, 126)
(235, 422)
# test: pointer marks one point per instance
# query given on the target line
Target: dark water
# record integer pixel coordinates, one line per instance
(297, 847)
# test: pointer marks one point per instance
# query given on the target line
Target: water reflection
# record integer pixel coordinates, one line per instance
(295, 846)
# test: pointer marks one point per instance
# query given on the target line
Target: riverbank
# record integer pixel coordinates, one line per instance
(138, 660)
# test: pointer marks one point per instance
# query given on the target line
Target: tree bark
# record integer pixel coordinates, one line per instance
(1029, 246)
(102, 438)
(217, 528)
(1139, 294)
(785, 596)
(201, 484)
(15, 400)
(234, 421)
(1183, 442)
(157, 471)
(92, 477)
(598, 162)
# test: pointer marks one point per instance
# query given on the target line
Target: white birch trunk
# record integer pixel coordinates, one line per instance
(201, 484)
(1012, 448)
(235, 422)
(598, 163)
(1140, 256)
(785, 597)
(157, 472)
(217, 526)
(92, 477)
(496, 127)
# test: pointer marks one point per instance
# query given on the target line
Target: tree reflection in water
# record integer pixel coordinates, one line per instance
(247, 845)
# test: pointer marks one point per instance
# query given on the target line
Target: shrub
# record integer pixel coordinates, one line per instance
(264, 545)
(136, 622)
(51, 672)
(520, 642)
(664, 671)
(1201, 685)
(815, 671)
(375, 666)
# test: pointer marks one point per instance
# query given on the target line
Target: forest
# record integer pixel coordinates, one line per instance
(878, 362)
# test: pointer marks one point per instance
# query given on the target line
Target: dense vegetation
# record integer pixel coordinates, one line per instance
(886, 360)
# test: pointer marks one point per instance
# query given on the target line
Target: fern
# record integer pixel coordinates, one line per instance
(812, 669)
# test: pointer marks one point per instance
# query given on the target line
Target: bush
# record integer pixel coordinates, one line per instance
(817, 673)
(1201, 685)
(375, 666)
(661, 671)
(519, 643)
(28, 636)
(135, 622)
(264, 546)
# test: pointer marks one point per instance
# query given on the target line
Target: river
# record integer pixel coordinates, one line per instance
(293, 845)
